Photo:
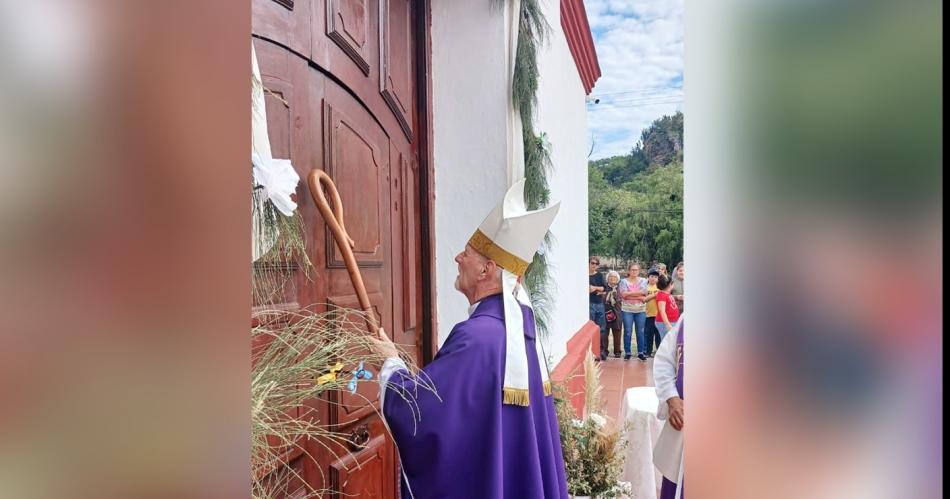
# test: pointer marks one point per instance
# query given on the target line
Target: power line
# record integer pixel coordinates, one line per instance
(635, 95)
(629, 99)
(637, 100)
(650, 100)
(634, 106)
(642, 104)
(645, 97)
(640, 89)
(663, 97)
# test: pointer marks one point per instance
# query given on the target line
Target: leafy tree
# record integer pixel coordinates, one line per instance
(637, 163)
(636, 201)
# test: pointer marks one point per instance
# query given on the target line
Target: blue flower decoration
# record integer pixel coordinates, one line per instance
(358, 374)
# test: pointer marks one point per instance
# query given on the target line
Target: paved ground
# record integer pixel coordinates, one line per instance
(616, 375)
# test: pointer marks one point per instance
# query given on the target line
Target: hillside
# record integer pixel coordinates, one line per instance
(636, 200)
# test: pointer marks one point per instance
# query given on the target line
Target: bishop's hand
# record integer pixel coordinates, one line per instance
(383, 346)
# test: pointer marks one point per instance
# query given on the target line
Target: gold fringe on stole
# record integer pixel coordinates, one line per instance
(515, 396)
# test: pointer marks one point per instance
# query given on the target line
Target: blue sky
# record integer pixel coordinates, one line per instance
(640, 49)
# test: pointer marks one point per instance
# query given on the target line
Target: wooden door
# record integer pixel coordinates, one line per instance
(342, 96)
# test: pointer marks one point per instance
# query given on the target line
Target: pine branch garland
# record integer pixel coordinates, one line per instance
(532, 31)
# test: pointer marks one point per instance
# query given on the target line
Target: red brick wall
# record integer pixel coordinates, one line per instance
(570, 371)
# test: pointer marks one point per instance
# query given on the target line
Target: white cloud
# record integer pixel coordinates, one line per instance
(640, 49)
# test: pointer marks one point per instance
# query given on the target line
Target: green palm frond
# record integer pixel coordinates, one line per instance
(298, 357)
(532, 31)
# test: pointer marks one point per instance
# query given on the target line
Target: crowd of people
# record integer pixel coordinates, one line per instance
(633, 306)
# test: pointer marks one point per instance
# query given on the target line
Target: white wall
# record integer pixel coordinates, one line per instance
(469, 136)
(562, 116)
(469, 86)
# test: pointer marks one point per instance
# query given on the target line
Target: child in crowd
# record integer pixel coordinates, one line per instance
(667, 311)
(652, 334)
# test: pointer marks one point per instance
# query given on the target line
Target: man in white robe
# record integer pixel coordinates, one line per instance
(668, 376)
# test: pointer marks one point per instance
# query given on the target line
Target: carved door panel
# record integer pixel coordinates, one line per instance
(356, 156)
(342, 97)
(396, 78)
(406, 251)
(368, 45)
(365, 468)
(287, 22)
(350, 24)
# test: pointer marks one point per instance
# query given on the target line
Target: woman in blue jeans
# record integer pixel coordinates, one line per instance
(633, 291)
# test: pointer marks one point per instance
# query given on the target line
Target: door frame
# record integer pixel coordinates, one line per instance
(423, 20)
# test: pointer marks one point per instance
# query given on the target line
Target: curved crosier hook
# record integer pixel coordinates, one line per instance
(319, 181)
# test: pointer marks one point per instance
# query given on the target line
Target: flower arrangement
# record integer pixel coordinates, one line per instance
(592, 448)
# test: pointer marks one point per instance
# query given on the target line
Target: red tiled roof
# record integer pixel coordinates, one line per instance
(579, 39)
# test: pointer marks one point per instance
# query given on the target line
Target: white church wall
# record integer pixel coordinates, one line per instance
(469, 143)
(562, 117)
(469, 137)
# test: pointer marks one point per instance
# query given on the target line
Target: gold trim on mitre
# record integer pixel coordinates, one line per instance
(508, 261)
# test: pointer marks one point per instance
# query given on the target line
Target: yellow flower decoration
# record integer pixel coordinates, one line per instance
(330, 376)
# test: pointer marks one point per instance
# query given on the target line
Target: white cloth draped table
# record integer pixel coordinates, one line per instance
(638, 412)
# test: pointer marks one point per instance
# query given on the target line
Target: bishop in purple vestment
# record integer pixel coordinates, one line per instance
(479, 421)
(469, 444)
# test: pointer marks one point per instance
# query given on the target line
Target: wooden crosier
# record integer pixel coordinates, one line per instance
(318, 182)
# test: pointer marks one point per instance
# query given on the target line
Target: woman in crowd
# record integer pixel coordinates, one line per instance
(677, 292)
(633, 292)
(666, 310)
(612, 315)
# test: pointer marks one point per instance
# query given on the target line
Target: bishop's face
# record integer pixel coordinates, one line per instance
(471, 267)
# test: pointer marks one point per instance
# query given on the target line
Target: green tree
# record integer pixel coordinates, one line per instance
(636, 201)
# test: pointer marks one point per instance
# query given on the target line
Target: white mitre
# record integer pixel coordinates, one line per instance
(510, 235)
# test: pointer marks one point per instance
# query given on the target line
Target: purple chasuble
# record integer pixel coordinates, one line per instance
(668, 490)
(468, 444)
